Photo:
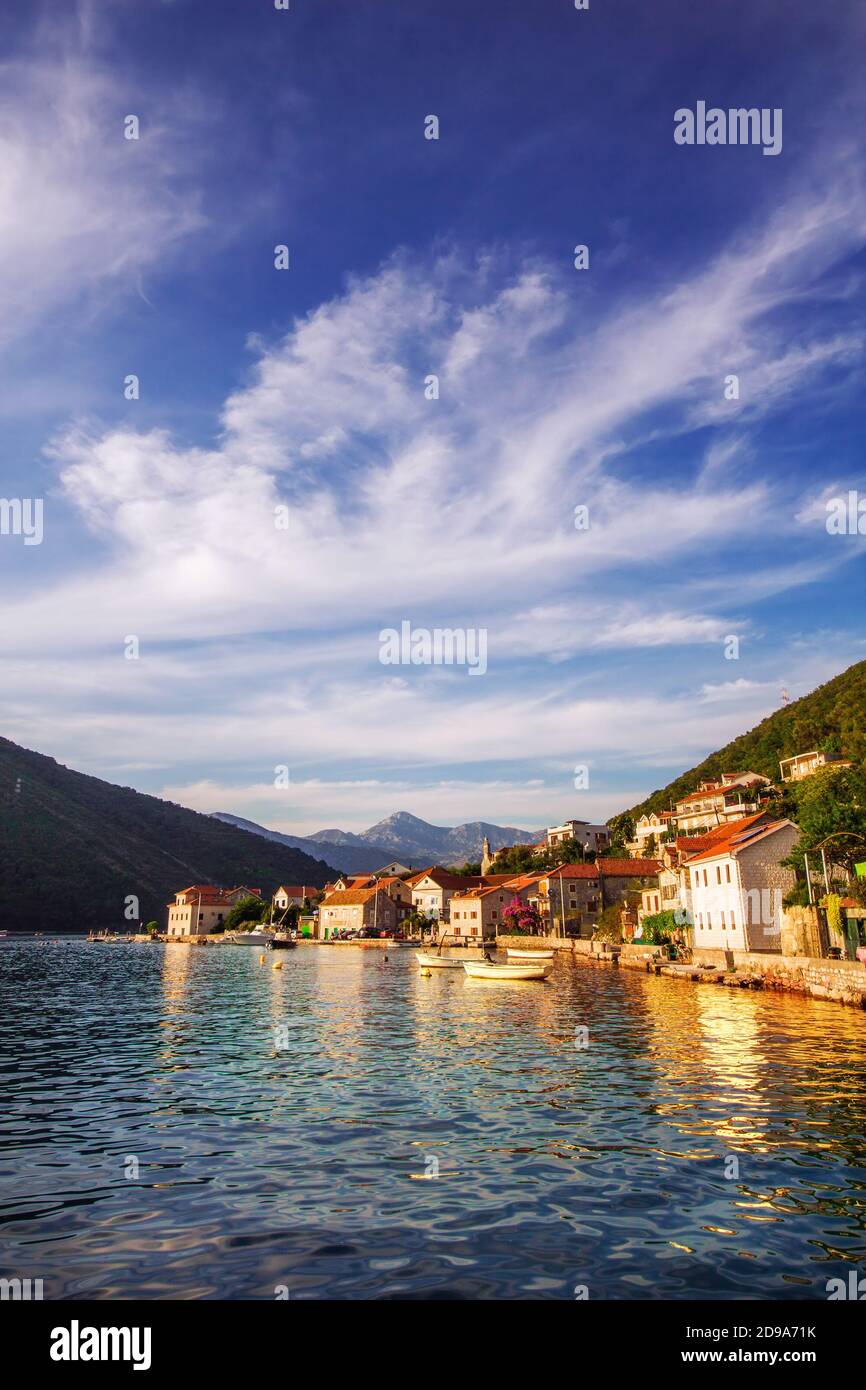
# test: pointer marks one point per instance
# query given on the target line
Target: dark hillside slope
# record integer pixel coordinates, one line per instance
(73, 848)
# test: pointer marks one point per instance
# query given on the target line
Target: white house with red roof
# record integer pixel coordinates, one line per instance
(738, 883)
(293, 895)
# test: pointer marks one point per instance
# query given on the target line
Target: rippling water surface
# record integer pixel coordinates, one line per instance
(706, 1143)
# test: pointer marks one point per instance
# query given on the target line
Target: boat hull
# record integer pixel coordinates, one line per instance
(529, 955)
(527, 970)
(434, 962)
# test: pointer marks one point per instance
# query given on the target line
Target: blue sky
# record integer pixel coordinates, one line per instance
(259, 647)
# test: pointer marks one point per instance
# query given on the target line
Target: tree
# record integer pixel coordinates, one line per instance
(570, 851)
(608, 927)
(251, 909)
(522, 919)
(831, 814)
(657, 927)
(152, 928)
(621, 829)
(418, 922)
(520, 859)
(471, 869)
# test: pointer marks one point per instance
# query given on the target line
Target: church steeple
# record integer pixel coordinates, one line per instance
(486, 856)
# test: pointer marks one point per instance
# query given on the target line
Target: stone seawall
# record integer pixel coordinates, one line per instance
(840, 981)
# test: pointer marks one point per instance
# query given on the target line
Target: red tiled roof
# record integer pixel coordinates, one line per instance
(628, 868)
(736, 836)
(572, 871)
(523, 880)
(351, 897)
(702, 795)
(443, 879)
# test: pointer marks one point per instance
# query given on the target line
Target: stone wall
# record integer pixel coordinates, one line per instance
(801, 934)
(842, 981)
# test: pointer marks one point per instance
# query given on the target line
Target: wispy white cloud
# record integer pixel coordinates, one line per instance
(451, 511)
(84, 211)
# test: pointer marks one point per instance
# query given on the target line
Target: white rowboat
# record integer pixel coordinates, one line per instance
(428, 960)
(489, 970)
(530, 955)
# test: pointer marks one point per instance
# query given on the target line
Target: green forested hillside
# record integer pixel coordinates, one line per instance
(837, 709)
(73, 848)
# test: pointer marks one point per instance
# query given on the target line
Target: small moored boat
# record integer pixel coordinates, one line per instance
(530, 955)
(429, 960)
(491, 970)
(282, 941)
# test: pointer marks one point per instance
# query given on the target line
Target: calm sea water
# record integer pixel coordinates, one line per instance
(706, 1143)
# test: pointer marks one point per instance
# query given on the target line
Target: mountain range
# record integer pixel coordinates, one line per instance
(73, 849)
(402, 836)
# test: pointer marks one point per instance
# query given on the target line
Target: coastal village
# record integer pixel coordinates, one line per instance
(708, 885)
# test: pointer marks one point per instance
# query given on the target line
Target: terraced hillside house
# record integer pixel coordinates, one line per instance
(805, 764)
(734, 795)
(651, 831)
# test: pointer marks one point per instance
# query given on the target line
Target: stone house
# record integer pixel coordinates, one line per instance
(201, 909)
(738, 884)
(477, 912)
(573, 896)
(351, 909)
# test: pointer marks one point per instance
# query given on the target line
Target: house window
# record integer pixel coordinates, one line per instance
(723, 921)
(701, 920)
(705, 878)
(733, 923)
(495, 914)
(709, 920)
(728, 872)
(718, 873)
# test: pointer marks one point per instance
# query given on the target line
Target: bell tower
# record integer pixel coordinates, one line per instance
(486, 856)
